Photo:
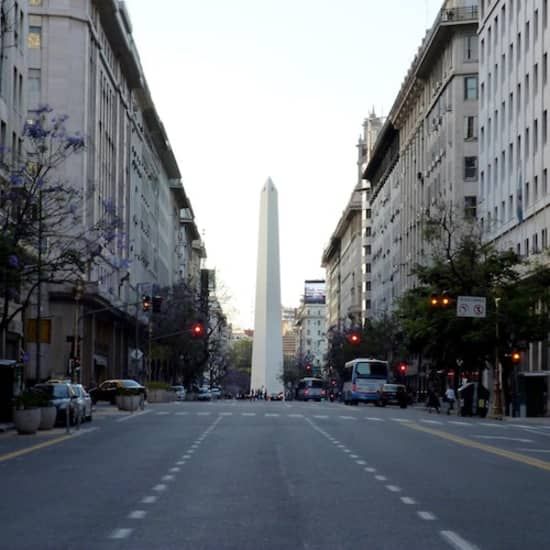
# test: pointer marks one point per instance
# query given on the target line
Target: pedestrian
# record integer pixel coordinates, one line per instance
(433, 401)
(450, 397)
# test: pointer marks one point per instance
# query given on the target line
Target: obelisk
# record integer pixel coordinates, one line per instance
(267, 347)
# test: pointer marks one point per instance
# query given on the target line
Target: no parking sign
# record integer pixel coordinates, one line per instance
(471, 306)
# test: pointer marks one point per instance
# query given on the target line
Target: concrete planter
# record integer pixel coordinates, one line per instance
(160, 396)
(48, 416)
(129, 402)
(27, 421)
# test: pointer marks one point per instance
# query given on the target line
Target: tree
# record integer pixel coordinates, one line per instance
(516, 292)
(45, 236)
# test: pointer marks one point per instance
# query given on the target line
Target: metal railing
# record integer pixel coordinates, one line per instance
(464, 13)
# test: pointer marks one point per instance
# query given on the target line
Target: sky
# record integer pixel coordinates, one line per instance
(251, 89)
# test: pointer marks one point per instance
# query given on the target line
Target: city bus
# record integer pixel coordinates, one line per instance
(363, 380)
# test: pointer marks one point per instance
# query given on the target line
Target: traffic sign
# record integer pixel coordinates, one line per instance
(471, 306)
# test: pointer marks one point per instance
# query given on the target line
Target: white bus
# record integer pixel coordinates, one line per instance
(363, 381)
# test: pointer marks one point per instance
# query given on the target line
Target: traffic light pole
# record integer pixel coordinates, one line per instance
(497, 411)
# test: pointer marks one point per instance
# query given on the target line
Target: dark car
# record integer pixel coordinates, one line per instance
(395, 394)
(109, 389)
(63, 397)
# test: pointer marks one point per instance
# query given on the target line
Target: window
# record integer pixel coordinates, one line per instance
(34, 38)
(527, 36)
(470, 168)
(544, 182)
(535, 78)
(470, 206)
(535, 136)
(470, 87)
(3, 144)
(35, 2)
(510, 207)
(471, 47)
(544, 69)
(470, 127)
(544, 127)
(527, 195)
(544, 238)
(34, 84)
(535, 188)
(526, 144)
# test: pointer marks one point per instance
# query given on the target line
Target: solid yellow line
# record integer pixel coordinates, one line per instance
(15, 454)
(518, 457)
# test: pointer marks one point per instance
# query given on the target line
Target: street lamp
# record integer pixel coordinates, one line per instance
(78, 292)
(497, 373)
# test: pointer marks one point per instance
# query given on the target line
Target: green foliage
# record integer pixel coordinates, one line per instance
(157, 385)
(517, 299)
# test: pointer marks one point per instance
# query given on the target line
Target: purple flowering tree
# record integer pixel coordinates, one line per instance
(46, 234)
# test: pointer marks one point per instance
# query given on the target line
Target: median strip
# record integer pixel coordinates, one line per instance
(511, 455)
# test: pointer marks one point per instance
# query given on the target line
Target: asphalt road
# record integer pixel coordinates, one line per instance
(232, 474)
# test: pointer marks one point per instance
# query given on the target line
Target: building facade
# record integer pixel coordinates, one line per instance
(83, 62)
(514, 152)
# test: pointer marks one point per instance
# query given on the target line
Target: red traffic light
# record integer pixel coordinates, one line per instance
(402, 368)
(354, 338)
(197, 330)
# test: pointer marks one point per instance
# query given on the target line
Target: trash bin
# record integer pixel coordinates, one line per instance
(482, 400)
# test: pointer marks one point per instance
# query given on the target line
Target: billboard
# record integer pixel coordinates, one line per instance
(314, 292)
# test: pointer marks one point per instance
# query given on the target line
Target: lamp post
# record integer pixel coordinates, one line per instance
(497, 373)
(78, 291)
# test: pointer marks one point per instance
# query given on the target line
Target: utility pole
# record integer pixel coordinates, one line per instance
(497, 412)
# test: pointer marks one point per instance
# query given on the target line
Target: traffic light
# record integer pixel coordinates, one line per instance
(402, 369)
(146, 302)
(197, 330)
(442, 300)
(157, 304)
(354, 338)
(516, 357)
(308, 369)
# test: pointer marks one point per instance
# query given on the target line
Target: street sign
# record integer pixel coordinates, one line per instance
(471, 306)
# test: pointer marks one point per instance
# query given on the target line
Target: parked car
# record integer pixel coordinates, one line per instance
(204, 394)
(63, 397)
(179, 391)
(394, 394)
(276, 396)
(108, 390)
(84, 402)
(216, 392)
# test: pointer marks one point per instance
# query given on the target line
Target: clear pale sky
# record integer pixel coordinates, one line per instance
(251, 89)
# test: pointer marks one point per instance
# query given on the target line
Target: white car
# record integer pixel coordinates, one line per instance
(216, 393)
(179, 391)
(83, 402)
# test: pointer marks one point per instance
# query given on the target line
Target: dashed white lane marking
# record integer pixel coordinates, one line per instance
(137, 514)
(120, 533)
(458, 423)
(149, 499)
(492, 425)
(360, 462)
(181, 413)
(203, 413)
(248, 414)
(272, 414)
(401, 419)
(162, 413)
(354, 456)
(520, 426)
(160, 487)
(393, 488)
(133, 415)
(502, 437)
(408, 500)
(175, 469)
(186, 456)
(180, 462)
(456, 541)
(168, 478)
(533, 450)
(374, 418)
(381, 478)
(226, 414)
(347, 451)
(294, 415)
(348, 417)
(370, 470)
(323, 416)
(430, 421)
(428, 516)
